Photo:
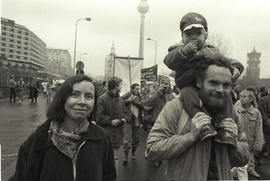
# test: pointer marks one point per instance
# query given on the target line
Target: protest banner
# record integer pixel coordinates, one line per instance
(129, 70)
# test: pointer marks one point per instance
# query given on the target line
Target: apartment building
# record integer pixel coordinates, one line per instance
(19, 44)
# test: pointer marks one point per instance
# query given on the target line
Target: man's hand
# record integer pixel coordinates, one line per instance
(116, 122)
(132, 98)
(230, 126)
(190, 48)
(198, 122)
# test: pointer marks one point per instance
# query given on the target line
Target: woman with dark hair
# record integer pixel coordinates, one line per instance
(69, 145)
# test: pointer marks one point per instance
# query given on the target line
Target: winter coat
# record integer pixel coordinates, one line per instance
(186, 67)
(266, 111)
(39, 159)
(12, 83)
(170, 139)
(137, 102)
(110, 108)
(252, 121)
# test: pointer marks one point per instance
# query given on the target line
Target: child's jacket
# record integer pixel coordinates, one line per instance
(186, 67)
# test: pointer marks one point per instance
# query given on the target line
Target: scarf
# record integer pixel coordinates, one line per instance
(66, 142)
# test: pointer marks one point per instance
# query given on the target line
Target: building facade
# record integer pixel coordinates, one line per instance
(22, 54)
(59, 62)
(21, 45)
(109, 63)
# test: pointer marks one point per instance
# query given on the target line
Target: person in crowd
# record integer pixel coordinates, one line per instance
(266, 123)
(255, 92)
(34, 88)
(69, 145)
(186, 59)
(20, 87)
(252, 120)
(50, 86)
(154, 104)
(235, 92)
(111, 114)
(45, 88)
(12, 85)
(262, 92)
(176, 136)
(103, 88)
(134, 107)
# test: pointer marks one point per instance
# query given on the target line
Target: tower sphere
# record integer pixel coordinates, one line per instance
(143, 7)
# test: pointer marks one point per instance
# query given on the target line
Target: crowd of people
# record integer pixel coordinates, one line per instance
(19, 88)
(207, 130)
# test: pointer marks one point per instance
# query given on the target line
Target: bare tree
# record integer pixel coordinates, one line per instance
(220, 42)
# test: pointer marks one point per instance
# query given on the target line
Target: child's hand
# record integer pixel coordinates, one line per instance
(190, 48)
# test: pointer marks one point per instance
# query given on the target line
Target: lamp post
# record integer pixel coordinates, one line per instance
(142, 8)
(74, 60)
(155, 41)
(82, 55)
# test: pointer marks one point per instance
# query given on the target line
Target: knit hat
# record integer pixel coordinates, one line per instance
(191, 20)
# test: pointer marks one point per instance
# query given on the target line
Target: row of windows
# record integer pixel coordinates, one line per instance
(12, 46)
(38, 49)
(12, 35)
(11, 40)
(25, 48)
(11, 56)
(11, 51)
(12, 30)
(38, 43)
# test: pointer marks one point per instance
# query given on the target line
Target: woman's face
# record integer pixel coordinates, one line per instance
(245, 98)
(80, 103)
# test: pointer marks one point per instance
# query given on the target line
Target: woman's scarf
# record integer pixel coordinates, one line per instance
(66, 142)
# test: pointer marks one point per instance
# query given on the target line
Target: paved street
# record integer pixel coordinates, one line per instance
(20, 119)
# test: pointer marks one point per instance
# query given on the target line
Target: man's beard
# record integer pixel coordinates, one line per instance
(212, 101)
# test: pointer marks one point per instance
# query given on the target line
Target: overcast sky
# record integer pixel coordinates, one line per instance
(242, 24)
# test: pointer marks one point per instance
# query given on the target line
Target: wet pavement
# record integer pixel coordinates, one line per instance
(19, 120)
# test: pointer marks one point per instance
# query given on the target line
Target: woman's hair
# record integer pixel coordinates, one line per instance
(251, 96)
(56, 109)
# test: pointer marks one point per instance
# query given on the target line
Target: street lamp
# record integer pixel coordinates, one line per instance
(74, 60)
(155, 41)
(82, 55)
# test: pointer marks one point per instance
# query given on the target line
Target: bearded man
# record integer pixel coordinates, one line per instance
(176, 137)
